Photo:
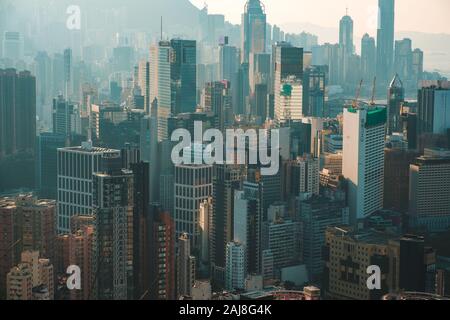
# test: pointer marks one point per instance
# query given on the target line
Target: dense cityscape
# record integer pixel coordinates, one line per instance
(184, 157)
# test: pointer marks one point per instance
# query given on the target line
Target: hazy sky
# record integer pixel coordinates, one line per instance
(430, 16)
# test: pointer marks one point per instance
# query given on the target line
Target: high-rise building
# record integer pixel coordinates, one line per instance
(396, 97)
(76, 166)
(161, 243)
(417, 66)
(235, 270)
(280, 236)
(248, 220)
(363, 160)
(185, 267)
(314, 84)
(193, 185)
(112, 201)
(396, 178)
(429, 181)
(349, 253)
(17, 112)
(217, 99)
(346, 42)
(228, 61)
(26, 224)
(368, 57)
(13, 45)
(433, 107)
(176, 80)
(289, 101)
(226, 179)
(63, 117)
(287, 68)
(31, 279)
(46, 163)
(417, 265)
(253, 29)
(305, 176)
(385, 39)
(316, 214)
(403, 59)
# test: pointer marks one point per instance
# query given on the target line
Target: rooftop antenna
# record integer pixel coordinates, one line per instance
(161, 28)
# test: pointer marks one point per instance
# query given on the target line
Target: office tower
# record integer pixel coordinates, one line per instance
(17, 112)
(185, 267)
(363, 161)
(333, 143)
(348, 254)
(161, 260)
(218, 99)
(253, 30)
(31, 279)
(112, 201)
(43, 85)
(177, 80)
(141, 224)
(205, 215)
(346, 42)
(315, 215)
(68, 73)
(368, 57)
(403, 59)
(259, 71)
(385, 39)
(242, 94)
(76, 166)
(287, 61)
(26, 224)
(248, 220)
(193, 185)
(144, 83)
(228, 61)
(260, 110)
(226, 179)
(433, 108)
(183, 75)
(417, 66)
(396, 98)
(281, 238)
(417, 265)
(429, 203)
(235, 271)
(63, 117)
(396, 178)
(305, 176)
(13, 46)
(46, 163)
(314, 84)
(289, 101)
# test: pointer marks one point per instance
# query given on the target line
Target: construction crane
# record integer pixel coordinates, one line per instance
(374, 85)
(358, 93)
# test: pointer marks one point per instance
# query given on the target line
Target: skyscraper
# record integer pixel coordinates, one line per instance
(112, 201)
(76, 167)
(176, 80)
(429, 187)
(363, 160)
(185, 267)
(17, 112)
(368, 57)
(385, 39)
(403, 59)
(396, 97)
(433, 107)
(346, 34)
(253, 29)
(235, 271)
(193, 185)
